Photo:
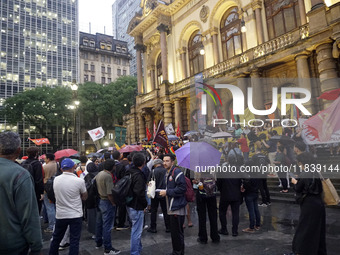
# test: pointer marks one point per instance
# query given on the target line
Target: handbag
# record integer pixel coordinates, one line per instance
(151, 187)
(329, 195)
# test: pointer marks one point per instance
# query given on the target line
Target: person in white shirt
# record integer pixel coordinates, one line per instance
(69, 190)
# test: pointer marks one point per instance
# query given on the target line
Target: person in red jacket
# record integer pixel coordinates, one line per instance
(244, 146)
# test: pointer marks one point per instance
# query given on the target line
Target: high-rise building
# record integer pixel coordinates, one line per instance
(39, 44)
(102, 58)
(122, 12)
(39, 47)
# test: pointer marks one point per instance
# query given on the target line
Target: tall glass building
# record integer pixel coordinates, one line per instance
(122, 12)
(39, 44)
(39, 47)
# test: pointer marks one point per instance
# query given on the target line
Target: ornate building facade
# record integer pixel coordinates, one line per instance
(241, 39)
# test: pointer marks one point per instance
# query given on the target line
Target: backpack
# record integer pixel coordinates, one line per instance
(121, 192)
(209, 187)
(48, 187)
(28, 166)
(189, 194)
(92, 191)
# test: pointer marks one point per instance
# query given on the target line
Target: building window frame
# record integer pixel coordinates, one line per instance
(196, 60)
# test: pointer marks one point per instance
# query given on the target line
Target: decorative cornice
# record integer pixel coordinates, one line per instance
(256, 5)
(140, 47)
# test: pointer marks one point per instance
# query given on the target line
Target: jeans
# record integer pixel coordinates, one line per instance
(154, 208)
(264, 191)
(104, 225)
(205, 204)
(59, 231)
(137, 219)
(50, 210)
(253, 209)
(246, 156)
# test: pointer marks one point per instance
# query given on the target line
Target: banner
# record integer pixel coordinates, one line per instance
(161, 136)
(40, 141)
(169, 129)
(96, 133)
(325, 123)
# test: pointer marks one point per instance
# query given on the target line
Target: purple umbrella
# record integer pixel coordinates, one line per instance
(197, 154)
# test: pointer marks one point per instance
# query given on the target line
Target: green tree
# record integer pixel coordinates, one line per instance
(105, 105)
(42, 107)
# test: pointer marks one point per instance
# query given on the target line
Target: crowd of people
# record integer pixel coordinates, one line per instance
(84, 191)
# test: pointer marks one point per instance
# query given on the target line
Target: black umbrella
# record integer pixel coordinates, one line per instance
(285, 140)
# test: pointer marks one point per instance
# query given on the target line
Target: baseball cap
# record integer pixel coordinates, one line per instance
(67, 164)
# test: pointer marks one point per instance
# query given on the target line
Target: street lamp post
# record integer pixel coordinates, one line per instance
(76, 125)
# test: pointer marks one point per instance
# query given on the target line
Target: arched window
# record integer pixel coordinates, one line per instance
(196, 60)
(231, 33)
(159, 70)
(282, 16)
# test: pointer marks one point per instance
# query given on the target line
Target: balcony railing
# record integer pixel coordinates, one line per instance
(252, 54)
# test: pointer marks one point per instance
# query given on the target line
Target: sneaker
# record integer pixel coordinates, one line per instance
(257, 228)
(235, 234)
(248, 230)
(122, 228)
(98, 246)
(152, 230)
(269, 203)
(48, 230)
(263, 204)
(63, 247)
(223, 232)
(146, 227)
(112, 251)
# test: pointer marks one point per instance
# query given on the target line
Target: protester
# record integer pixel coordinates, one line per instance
(280, 160)
(310, 235)
(33, 165)
(206, 201)
(159, 175)
(138, 203)
(20, 229)
(107, 208)
(69, 192)
(176, 202)
(50, 169)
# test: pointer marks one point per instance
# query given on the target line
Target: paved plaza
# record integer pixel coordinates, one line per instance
(275, 237)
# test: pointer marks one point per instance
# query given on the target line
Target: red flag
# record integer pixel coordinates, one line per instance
(219, 114)
(325, 123)
(148, 134)
(232, 114)
(178, 131)
(40, 141)
(330, 95)
(161, 136)
(154, 129)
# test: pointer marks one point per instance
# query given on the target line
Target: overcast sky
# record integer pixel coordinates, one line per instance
(99, 13)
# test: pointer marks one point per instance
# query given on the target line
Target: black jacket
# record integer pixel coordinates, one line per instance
(37, 174)
(159, 174)
(138, 187)
(230, 189)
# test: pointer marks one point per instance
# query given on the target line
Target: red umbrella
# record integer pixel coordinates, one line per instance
(330, 95)
(64, 153)
(130, 148)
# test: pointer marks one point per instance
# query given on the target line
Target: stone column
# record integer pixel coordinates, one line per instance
(142, 130)
(163, 29)
(327, 69)
(178, 114)
(258, 98)
(242, 83)
(257, 5)
(304, 76)
(139, 50)
(167, 113)
(152, 77)
(214, 34)
(184, 62)
(302, 11)
(317, 3)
